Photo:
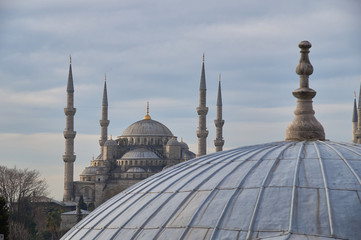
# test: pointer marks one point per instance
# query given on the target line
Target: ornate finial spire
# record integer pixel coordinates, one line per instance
(203, 57)
(147, 116)
(70, 58)
(304, 126)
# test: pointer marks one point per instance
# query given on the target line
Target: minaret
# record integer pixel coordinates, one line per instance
(219, 142)
(354, 120)
(304, 126)
(202, 111)
(69, 135)
(104, 122)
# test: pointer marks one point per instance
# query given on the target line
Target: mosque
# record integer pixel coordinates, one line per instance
(146, 147)
(303, 188)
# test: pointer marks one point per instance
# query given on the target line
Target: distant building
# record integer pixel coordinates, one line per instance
(146, 147)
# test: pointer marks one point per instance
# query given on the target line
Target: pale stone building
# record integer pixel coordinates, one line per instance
(146, 147)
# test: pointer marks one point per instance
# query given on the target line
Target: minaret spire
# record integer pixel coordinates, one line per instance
(304, 126)
(104, 122)
(219, 142)
(354, 120)
(69, 135)
(202, 111)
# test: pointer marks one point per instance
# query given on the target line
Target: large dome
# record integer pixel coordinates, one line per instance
(288, 190)
(147, 127)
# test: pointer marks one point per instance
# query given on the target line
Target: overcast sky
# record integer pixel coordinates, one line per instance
(152, 51)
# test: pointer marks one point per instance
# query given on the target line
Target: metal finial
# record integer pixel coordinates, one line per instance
(203, 57)
(304, 126)
(354, 94)
(105, 77)
(147, 116)
(70, 58)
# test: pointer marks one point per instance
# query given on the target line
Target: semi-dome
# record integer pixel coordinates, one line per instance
(139, 153)
(110, 142)
(288, 189)
(135, 170)
(147, 127)
(173, 142)
(89, 171)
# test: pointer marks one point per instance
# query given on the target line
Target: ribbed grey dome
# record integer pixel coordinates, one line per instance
(147, 127)
(281, 190)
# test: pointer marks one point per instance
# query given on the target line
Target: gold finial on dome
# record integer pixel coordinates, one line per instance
(147, 117)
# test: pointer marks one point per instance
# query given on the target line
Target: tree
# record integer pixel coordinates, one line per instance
(82, 204)
(4, 218)
(21, 188)
(53, 222)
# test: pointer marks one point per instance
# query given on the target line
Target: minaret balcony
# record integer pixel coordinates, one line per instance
(69, 111)
(202, 133)
(219, 123)
(218, 142)
(69, 134)
(69, 158)
(202, 110)
(104, 123)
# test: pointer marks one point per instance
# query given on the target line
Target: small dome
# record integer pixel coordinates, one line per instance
(135, 170)
(139, 153)
(184, 145)
(282, 190)
(89, 171)
(110, 142)
(173, 142)
(147, 127)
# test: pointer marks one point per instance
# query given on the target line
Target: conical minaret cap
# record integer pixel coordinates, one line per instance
(219, 96)
(105, 94)
(354, 115)
(304, 126)
(70, 87)
(203, 78)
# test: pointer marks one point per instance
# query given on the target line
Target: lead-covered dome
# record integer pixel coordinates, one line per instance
(282, 189)
(304, 188)
(147, 127)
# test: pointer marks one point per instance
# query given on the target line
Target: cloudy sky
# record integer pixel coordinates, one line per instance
(152, 51)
